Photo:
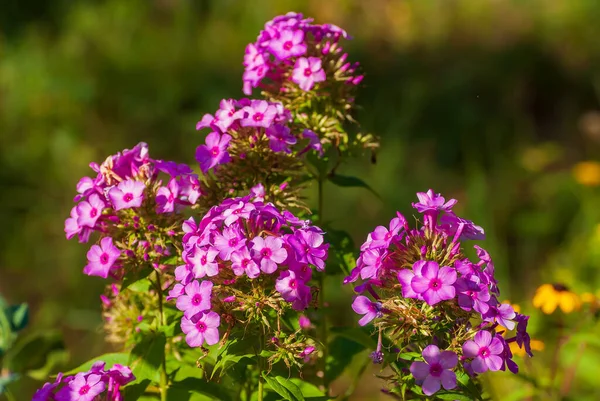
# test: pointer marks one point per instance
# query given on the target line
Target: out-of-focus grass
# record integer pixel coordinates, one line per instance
(494, 103)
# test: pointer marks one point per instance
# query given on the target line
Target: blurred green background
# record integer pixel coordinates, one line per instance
(495, 103)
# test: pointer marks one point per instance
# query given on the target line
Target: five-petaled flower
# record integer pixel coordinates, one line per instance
(436, 371)
(308, 71)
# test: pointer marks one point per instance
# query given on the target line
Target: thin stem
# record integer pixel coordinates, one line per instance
(570, 374)
(261, 383)
(323, 326)
(163, 371)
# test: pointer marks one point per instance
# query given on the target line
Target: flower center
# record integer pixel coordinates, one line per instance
(201, 326)
(257, 117)
(128, 197)
(484, 352)
(93, 212)
(288, 45)
(293, 284)
(435, 370)
(245, 263)
(435, 284)
(196, 299)
(104, 258)
(84, 389)
(215, 151)
(203, 260)
(307, 72)
(266, 253)
(233, 242)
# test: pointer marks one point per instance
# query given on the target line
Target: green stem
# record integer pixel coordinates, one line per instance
(261, 383)
(323, 326)
(163, 371)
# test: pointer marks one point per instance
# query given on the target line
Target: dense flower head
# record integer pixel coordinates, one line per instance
(95, 384)
(132, 204)
(244, 260)
(419, 286)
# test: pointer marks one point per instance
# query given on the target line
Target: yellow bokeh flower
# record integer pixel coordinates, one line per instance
(536, 345)
(550, 296)
(587, 173)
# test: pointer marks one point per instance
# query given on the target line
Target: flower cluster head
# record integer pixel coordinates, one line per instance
(246, 262)
(131, 208)
(420, 288)
(96, 384)
(252, 141)
(303, 66)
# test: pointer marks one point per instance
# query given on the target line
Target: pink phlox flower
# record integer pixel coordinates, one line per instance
(381, 237)
(71, 226)
(435, 283)
(207, 121)
(189, 188)
(472, 294)
(308, 71)
(227, 115)
(101, 258)
(127, 194)
(172, 168)
(201, 328)
(432, 202)
(354, 275)
(121, 374)
(268, 252)
(306, 352)
(465, 229)
(309, 247)
(214, 151)
(85, 187)
(303, 271)
(204, 264)
(167, 196)
(229, 241)
(371, 263)
(88, 212)
(196, 299)
(500, 313)
(436, 371)
(293, 289)
(177, 290)
(46, 393)
(83, 387)
(259, 114)
(280, 138)
(523, 339)
(364, 306)
(405, 277)
(238, 210)
(314, 142)
(242, 263)
(485, 350)
(304, 322)
(258, 191)
(290, 43)
(184, 273)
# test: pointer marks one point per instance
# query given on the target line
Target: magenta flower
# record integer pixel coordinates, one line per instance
(304, 322)
(308, 247)
(200, 329)
(405, 277)
(242, 263)
(364, 306)
(226, 115)
(166, 197)
(485, 350)
(127, 194)
(101, 258)
(463, 228)
(435, 284)
(82, 388)
(214, 152)
(371, 262)
(89, 211)
(314, 142)
(269, 252)
(71, 226)
(500, 313)
(280, 138)
(293, 289)
(431, 202)
(472, 295)
(381, 237)
(204, 263)
(196, 299)
(238, 210)
(436, 371)
(307, 71)
(230, 241)
(259, 114)
(289, 44)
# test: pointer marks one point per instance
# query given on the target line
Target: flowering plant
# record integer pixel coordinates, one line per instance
(437, 310)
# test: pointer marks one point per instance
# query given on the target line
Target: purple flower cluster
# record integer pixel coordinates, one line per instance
(239, 241)
(121, 197)
(292, 48)
(95, 384)
(403, 267)
(250, 121)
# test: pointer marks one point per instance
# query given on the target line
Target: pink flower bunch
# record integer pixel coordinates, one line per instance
(248, 124)
(243, 255)
(293, 49)
(95, 384)
(421, 284)
(124, 198)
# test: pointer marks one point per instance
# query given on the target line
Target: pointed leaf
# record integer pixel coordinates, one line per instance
(351, 182)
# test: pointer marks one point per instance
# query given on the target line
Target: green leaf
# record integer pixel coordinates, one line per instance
(351, 182)
(341, 352)
(410, 356)
(134, 276)
(18, 316)
(116, 357)
(309, 390)
(280, 389)
(147, 356)
(134, 391)
(31, 352)
(291, 387)
(142, 285)
(453, 396)
(234, 353)
(193, 389)
(359, 335)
